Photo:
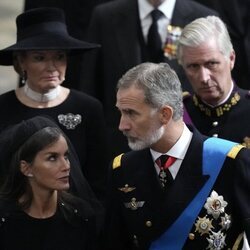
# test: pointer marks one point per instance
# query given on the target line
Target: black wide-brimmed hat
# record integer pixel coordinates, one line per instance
(43, 29)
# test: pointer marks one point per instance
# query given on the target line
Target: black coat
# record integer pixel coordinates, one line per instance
(136, 229)
(116, 26)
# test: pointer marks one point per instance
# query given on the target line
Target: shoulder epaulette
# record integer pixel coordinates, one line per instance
(235, 150)
(117, 161)
(185, 94)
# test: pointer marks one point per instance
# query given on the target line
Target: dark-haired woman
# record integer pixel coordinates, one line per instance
(36, 210)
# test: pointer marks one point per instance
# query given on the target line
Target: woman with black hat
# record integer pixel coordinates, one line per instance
(36, 211)
(40, 58)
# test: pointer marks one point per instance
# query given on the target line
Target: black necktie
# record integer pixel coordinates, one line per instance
(154, 40)
(164, 162)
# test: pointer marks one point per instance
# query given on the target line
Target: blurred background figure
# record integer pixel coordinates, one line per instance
(8, 12)
(40, 58)
(36, 209)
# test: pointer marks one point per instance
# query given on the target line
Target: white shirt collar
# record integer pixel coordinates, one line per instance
(167, 8)
(180, 148)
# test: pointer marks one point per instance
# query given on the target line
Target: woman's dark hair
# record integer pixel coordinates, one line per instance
(17, 183)
(23, 141)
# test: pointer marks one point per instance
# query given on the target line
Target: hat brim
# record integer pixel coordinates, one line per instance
(43, 42)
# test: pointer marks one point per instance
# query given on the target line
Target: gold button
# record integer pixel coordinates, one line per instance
(215, 124)
(148, 223)
(191, 236)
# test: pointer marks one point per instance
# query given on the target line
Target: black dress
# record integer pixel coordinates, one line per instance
(20, 231)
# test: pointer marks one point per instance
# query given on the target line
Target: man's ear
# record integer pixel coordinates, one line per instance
(25, 168)
(166, 114)
(232, 57)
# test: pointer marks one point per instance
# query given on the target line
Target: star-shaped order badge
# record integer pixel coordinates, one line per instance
(203, 225)
(215, 205)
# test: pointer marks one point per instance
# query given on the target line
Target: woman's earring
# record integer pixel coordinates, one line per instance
(23, 77)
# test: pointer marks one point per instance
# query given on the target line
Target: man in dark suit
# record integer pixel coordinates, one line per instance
(200, 200)
(235, 13)
(218, 107)
(121, 27)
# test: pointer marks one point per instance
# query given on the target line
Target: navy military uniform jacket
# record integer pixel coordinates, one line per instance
(139, 210)
(228, 121)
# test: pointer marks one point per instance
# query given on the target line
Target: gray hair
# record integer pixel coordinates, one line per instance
(160, 84)
(203, 29)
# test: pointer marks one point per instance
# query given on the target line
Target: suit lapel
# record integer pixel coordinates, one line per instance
(181, 13)
(125, 23)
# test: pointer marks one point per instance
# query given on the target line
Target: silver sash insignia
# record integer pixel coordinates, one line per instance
(226, 222)
(216, 241)
(215, 205)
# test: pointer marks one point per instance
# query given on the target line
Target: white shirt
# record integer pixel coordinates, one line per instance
(245, 243)
(178, 151)
(145, 8)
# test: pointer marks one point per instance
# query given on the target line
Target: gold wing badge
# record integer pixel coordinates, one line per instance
(126, 188)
